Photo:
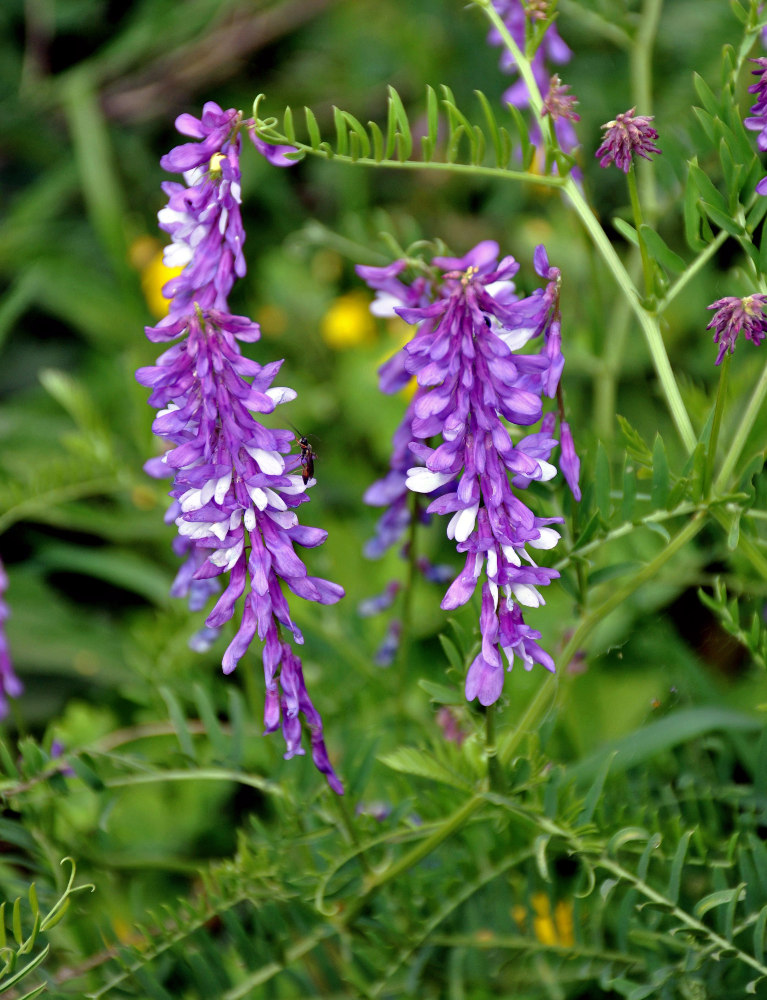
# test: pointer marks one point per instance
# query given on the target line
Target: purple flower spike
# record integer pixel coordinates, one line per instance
(627, 135)
(235, 489)
(733, 315)
(10, 685)
(472, 385)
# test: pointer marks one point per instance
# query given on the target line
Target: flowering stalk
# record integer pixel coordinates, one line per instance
(234, 494)
(469, 383)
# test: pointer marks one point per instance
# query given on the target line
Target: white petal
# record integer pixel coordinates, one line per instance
(527, 595)
(249, 519)
(516, 338)
(548, 539)
(270, 462)
(176, 255)
(509, 651)
(207, 491)
(421, 480)
(492, 564)
(192, 500)
(384, 304)
(220, 529)
(281, 394)
(548, 471)
(222, 220)
(511, 555)
(222, 486)
(258, 496)
(464, 525)
(275, 499)
(285, 518)
(494, 591)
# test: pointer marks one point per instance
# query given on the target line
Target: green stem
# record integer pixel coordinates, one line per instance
(636, 209)
(641, 82)
(745, 426)
(647, 321)
(494, 774)
(651, 570)
(533, 715)
(451, 825)
(721, 395)
(692, 269)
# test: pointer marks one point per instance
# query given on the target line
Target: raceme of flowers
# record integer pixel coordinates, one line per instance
(552, 49)
(234, 489)
(733, 315)
(10, 685)
(471, 385)
(627, 135)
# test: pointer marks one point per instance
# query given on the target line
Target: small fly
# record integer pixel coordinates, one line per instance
(307, 459)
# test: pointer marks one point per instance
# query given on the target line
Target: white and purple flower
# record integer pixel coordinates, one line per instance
(234, 491)
(471, 387)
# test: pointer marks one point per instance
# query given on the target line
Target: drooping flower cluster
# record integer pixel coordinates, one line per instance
(627, 135)
(733, 315)
(234, 494)
(10, 685)
(757, 122)
(471, 385)
(552, 49)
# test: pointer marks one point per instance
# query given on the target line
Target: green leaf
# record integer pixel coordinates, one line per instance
(628, 500)
(495, 134)
(706, 94)
(660, 251)
(85, 773)
(627, 835)
(342, 136)
(287, 125)
(675, 878)
(723, 897)
(441, 693)
(539, 852)
(626, 230)
(635, 444)
(706, 189)
(602, 483)
(451, 652)
(594, 793)
(660, 474)
(359, 134)
(644, 861)
(722, 218)
(378, 141)
(178, 719)
(408, 760)
(209, 719)
(313, 129)
(612, 572)
(759, 934)
(692, 218)
(398, 127)
(591, 528)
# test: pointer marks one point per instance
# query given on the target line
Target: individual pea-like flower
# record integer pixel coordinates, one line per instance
(234, 489)
(558, 103)
(10, 685)
(471, 386)
(733, 315)
(628, 134)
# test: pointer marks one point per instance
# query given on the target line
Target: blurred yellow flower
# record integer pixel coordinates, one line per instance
(556, 929)
(146, 256)
(348, 322)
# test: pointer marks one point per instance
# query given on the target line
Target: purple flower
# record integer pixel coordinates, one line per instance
(551, 49)
(558, 103)
(234, 489)
(733, 315)
(758, 120)
(471, 386)
(626, 135)
(387, 651)
(10, 685)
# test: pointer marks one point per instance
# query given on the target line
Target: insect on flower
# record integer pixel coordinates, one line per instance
(307, 459)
